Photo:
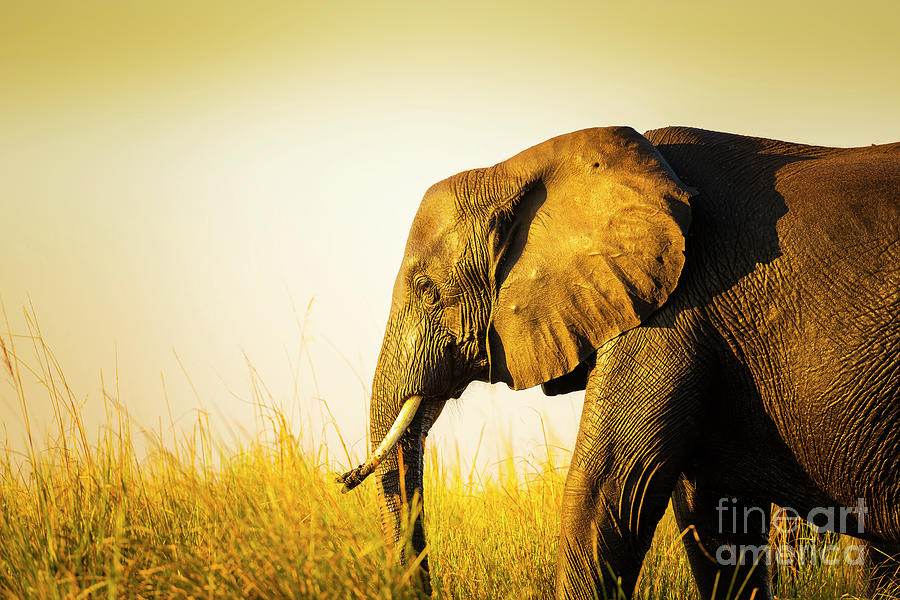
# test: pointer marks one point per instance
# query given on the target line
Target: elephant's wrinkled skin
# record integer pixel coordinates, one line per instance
(729, 303)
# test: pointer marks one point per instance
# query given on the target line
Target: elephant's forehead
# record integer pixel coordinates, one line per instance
(434, 228)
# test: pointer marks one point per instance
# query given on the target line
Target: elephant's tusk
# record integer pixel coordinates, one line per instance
(354, 477)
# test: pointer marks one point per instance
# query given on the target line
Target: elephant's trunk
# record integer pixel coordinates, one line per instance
(399, 476)
(400, 417)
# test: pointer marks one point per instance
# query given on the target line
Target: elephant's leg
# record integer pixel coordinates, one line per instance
(639, 424)
(726, 543)
(883, 560)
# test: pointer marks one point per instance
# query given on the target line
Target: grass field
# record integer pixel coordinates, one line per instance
(83, 516)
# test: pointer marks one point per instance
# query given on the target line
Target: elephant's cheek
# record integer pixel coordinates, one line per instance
(411, 342)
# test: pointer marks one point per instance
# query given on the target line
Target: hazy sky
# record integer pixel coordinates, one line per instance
(187, 176)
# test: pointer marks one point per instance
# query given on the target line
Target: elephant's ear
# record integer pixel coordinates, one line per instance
(588, 242)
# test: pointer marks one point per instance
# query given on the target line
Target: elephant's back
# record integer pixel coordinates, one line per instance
(803, 243)
(798, 207)
(840, 236)
(855, 190)
(798, 248)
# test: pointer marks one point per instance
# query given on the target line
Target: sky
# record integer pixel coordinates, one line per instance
(189, 188)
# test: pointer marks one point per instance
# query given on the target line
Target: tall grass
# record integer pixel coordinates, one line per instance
(82, 515)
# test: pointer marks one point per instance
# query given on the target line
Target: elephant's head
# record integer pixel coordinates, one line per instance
(518, 273)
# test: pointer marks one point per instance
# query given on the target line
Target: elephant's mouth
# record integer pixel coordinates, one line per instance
(455, 395)
(407, 413)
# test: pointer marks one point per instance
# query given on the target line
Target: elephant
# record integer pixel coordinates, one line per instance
(730, 306)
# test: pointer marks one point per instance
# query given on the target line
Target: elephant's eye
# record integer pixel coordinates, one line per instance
(427, 290)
